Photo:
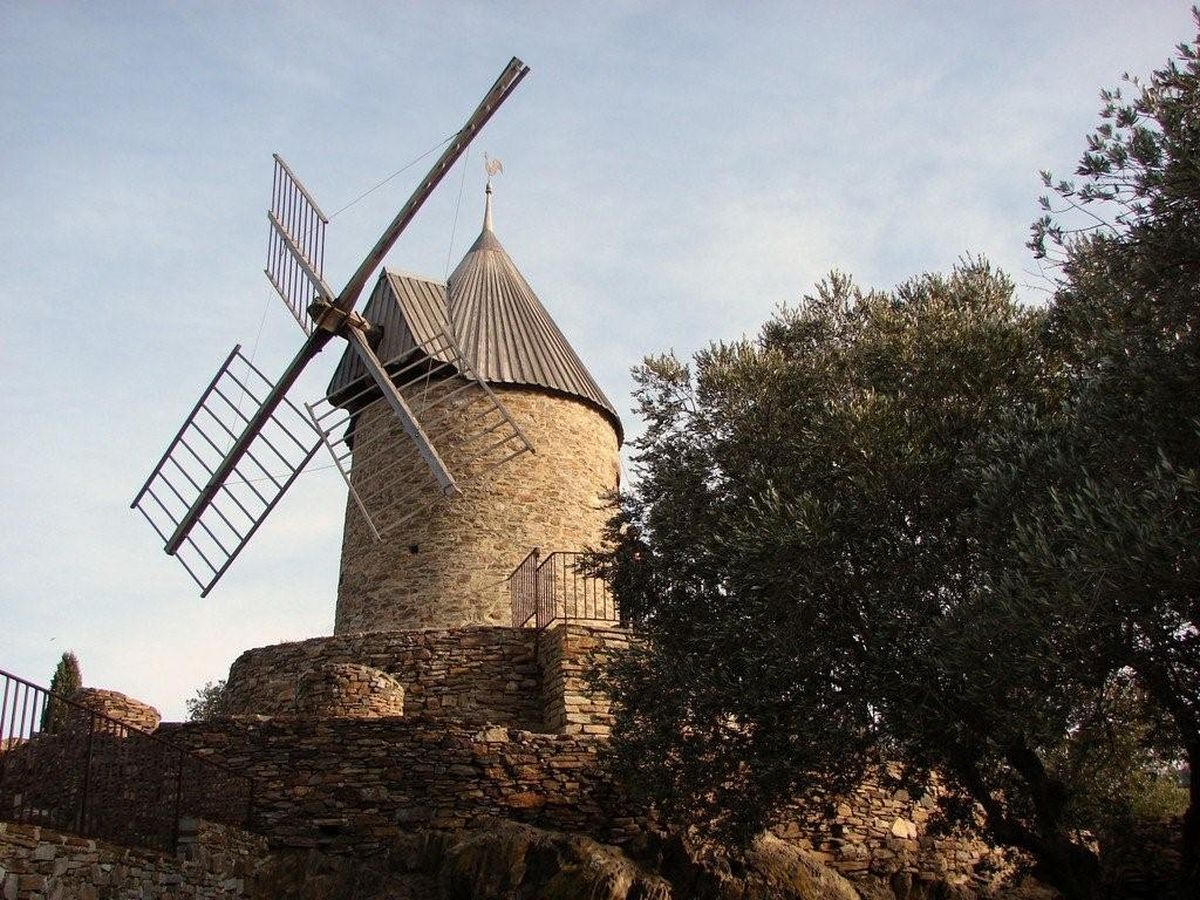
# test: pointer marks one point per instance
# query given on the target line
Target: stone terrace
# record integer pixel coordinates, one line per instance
(484, 675)
(348, 785)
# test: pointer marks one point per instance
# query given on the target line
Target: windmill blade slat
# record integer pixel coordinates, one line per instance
(382, 448)
(174, 490)
(247, 482)
(245, 386)
(236, 502)
(266, 472)
(202, 557)
(480, 435)
(407, 373)
(234, 408)
(216, 540)
(307, 267)
(403, 413)
(217, 505)
(219, 451)
(295, 245)
(153, 524)
(388, 495)
(228, 524)
(199, 459)
(488, 410)
(488, 449)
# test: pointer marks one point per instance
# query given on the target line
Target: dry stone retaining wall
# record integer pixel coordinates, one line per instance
(348, 786)
(331, 780)
(346, 690)
(454, 761)
(447, 566)
(565, 653)
(483, 675)
(121, 707)
(881, 831)
(40, 863)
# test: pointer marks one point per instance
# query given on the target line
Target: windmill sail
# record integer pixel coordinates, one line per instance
(467, 428)
(505, 85)
(281, 447)
(296, 247)
(207, 503)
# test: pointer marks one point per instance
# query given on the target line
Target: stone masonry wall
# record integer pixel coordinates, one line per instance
(350, 785)
(346, 786)
(116, 705)
(346, 690)
(446, 567)
(483, 675)
(38, 863)
(883, 830)
(565, 653)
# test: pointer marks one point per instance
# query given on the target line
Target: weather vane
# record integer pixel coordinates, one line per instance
(492, 167)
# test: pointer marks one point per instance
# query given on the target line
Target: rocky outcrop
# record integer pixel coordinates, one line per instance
(510, 861)
(769, 869)
(517, 861)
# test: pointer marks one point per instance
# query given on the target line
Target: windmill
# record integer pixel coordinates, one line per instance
(227, 468)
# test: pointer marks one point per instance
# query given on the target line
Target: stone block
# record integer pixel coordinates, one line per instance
(525, 800)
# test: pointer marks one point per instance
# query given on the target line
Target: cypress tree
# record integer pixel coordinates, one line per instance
(66, 681)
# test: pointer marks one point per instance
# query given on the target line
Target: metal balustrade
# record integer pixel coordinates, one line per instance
(558, 587)
(68, 767)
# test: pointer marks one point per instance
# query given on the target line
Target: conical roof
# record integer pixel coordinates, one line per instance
(495, 317)
(505, 331)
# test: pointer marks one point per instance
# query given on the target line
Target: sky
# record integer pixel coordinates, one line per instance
(672, 173)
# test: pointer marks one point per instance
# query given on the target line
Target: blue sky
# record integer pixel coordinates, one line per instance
(672, 172)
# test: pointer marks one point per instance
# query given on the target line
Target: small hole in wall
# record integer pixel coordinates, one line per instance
(414, 548)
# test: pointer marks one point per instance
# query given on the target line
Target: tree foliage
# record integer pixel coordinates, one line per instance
(810, 553)
(1116, 547)
(933, 525)
(65, 682)
(207, 702)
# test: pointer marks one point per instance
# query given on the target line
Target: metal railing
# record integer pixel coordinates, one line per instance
(557, 587)
(68, 767)
(522, 589)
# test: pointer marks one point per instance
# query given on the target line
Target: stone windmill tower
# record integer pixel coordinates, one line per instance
(446, 566)
(469, 433)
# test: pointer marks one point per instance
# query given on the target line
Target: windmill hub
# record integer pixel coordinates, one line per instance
(328, 317)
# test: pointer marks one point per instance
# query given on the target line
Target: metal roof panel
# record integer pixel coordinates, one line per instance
(490, 310)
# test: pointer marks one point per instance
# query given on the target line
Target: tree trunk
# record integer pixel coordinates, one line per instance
(1059, 861)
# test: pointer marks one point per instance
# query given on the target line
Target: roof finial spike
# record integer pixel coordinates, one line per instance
(492, 167)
